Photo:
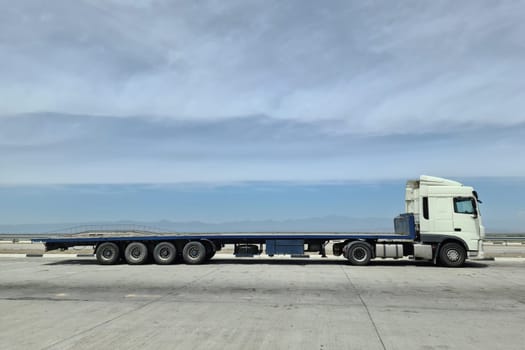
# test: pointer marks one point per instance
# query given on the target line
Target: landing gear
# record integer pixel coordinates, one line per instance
(322, 252)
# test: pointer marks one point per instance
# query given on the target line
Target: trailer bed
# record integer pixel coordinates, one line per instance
(404, 230)
(135, 246)
(88, 238)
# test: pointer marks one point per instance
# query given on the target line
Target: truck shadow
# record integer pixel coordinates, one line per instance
(378, 263)
(73, 262)
(284, 262)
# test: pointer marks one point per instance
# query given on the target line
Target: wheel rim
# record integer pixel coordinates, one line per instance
(136, 252)
(453, 255)
(359, 254)
(107, 253)
(164, 253)
(194, 252)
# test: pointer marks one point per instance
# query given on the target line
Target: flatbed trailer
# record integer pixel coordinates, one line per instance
(417, 234)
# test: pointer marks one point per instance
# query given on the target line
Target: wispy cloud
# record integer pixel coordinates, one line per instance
(378, 67)
(229, 91)
(51, 148)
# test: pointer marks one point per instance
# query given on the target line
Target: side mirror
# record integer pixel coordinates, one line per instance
(474, 216)
(476, 196)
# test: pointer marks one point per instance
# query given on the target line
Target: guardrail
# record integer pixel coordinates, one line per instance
(505, 240)
(507, 237)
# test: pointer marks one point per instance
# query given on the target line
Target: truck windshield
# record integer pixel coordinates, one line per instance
(465, 205)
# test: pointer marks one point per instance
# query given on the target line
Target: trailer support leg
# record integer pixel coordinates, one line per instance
(323, 250)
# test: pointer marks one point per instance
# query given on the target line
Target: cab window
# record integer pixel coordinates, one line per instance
(464, 205)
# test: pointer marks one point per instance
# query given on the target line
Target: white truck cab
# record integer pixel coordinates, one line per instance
(445, 211)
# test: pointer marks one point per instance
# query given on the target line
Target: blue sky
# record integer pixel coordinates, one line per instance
(351, 205)
(241, 201)
(207, 95)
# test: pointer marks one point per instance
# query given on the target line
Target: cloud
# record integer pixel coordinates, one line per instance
(175, 91)
(57, 148)
(375, 68)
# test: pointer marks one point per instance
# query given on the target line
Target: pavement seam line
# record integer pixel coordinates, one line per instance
(124, 313)
(366, 308)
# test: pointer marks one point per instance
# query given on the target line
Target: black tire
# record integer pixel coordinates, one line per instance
(108, 253)
(210, 255)
(194, 253)
(210, 250)
(359, 253)
(164, 253)
(452, 254)
(136, 253)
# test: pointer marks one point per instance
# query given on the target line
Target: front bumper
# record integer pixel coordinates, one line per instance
(477, 254)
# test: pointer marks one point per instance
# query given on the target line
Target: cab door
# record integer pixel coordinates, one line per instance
(467, 220)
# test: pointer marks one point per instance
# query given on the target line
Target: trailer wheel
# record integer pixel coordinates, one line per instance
(194, 253)
(359, 253)
(136, 253)
(452, 254)
(108, 253)
(164, 253)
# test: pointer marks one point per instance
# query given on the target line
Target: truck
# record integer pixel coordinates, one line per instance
(441, 223)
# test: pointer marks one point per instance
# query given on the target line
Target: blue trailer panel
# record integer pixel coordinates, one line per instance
(285, 246)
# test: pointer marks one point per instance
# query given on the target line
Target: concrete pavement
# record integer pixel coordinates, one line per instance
(61, 303)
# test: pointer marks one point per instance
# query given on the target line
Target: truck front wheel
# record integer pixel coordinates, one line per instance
(452, 254)
(136, 253)
(108, 253)
(194, 253)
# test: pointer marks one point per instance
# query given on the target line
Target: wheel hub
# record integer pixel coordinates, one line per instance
(164, 253)
(107, 253)
(135, 252)
(453, 255)
(194, 252)
(359, 254)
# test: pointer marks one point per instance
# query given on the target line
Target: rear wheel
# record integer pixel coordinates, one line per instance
(359, 253)
(108, 253)
(194, 253)
(164, 253)
(210, 255)
(452, 254)
(136, 253)
(210, 250)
